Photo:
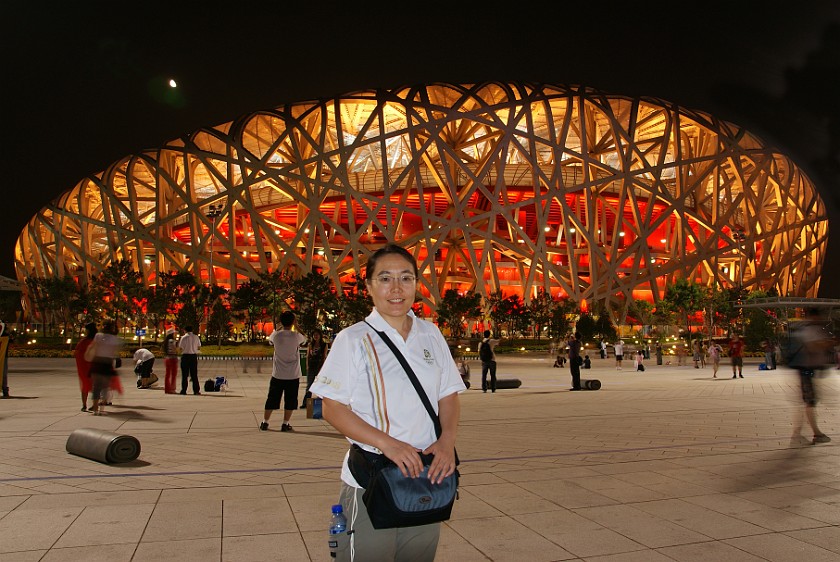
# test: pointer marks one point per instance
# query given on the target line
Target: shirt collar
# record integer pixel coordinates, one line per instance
(375, 319)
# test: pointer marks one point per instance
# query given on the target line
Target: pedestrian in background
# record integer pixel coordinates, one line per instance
(488, 361)
(285, 371)
(170, 361)
(106, 352)
(618, 348)
(810, 348)
(736, 355)
(315, 356)
(575, 360)
(715, 351)
(83, 365)
(189, 346)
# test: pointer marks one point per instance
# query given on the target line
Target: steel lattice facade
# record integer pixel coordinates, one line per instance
(510, 187)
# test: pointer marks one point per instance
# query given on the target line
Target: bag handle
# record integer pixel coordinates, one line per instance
(415, 383)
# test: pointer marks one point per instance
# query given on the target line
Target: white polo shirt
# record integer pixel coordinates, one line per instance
(362, 372)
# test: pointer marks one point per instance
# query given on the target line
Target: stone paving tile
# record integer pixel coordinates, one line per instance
(666, 465)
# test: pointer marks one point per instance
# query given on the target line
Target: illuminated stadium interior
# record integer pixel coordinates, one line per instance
(511, 187)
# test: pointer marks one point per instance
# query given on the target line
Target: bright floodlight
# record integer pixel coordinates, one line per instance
(173, 83)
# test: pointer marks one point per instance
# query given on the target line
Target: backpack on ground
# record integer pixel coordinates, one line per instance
(485, 352)
(209, 385)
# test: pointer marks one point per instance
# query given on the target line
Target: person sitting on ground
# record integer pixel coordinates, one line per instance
(587, 362)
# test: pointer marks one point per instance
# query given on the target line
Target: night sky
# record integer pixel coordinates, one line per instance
(85, 86)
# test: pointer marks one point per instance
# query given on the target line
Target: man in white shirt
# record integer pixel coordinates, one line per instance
(189, 346)
(285, 371)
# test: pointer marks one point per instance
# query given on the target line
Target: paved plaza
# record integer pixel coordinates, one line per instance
(669, 464)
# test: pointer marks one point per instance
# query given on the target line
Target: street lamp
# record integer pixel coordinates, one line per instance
(740, 237)
(214, 213)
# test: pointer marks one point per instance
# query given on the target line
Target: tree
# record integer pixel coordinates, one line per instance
(313, 296)
(559, 323)
(495, 310)
(455, 308)
(604, 327)
(250, 300)
(541, 308)
(219, 323)
(355, 305)
(277, 287)
(120, 287)
(686, 298)
(586, 326)
(10, 306)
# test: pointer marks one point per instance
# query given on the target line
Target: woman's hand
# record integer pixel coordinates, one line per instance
(406, 457)
(444, 463)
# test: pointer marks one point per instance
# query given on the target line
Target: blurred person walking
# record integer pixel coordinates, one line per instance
(83, 365)
(714, 354)
(170, 361)
(105, 352)
(809, 351)
(736, 356)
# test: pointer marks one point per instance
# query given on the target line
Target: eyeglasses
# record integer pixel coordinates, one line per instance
(390, 280)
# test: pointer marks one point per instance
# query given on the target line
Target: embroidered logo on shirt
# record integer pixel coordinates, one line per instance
(427, 357)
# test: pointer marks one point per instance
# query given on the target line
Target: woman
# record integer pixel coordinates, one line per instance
(314, 359)
(170, 360)
(714, 354)
(106, 347)
(82, 365)
(368, 397)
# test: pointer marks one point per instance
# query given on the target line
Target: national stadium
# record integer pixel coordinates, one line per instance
(495, 187)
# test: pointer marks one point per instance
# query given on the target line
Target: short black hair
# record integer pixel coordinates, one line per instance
(287, 318)
(486, 333)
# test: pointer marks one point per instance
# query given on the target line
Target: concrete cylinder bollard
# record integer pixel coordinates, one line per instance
(590, 384)
(103, 446)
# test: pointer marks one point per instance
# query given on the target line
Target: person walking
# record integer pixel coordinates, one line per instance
(810, 349)
(696, 347)
(603, 349)
(106, 350)
(618, 347)
(575, 360)
(83, 365)
(285, 371)
(487, 355)
(736, 355)
(189, 345)
(315, 356)
(170, 361)
(369, 398)
(715, 351)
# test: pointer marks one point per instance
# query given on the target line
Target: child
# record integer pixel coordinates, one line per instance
(640, 361)
(587, 363)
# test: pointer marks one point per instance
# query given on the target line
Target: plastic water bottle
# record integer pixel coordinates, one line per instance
(338, 529)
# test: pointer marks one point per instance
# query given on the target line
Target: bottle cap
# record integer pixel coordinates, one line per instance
(337, 508)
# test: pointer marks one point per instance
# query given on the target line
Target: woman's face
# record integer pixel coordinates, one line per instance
(392, 287)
